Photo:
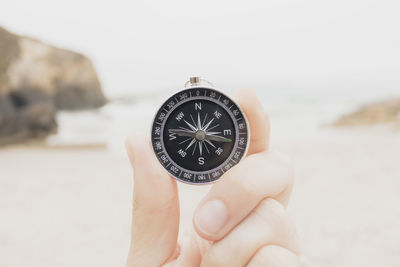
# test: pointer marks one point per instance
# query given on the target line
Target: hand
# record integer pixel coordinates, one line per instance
(242, 221)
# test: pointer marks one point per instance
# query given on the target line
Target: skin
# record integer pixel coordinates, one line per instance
(242, 221)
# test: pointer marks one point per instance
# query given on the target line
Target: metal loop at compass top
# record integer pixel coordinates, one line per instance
(197, 81)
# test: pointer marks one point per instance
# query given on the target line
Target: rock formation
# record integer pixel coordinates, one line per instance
(36, 80)
(375, 113)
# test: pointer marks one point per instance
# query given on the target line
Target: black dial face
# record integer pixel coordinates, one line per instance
(198, 134)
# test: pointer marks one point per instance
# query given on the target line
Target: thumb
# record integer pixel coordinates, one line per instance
(155, 219)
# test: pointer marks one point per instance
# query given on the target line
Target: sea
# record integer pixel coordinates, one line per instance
(295, 114)
(309, 61)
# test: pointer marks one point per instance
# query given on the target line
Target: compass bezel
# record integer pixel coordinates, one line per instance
(199, 177)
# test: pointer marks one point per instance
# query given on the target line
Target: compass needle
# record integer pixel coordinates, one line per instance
(181, 132)
(213, 133)
(183, 128)
(199, 133)
(217, 138)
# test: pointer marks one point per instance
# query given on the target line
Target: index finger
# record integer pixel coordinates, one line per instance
(257, 118)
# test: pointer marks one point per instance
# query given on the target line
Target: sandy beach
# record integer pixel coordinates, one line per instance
(71, 207)
(83, 75)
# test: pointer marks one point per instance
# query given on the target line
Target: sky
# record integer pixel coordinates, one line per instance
(144, 46)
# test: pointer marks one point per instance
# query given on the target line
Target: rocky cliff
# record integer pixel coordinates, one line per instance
(374, 113)
(36, 80)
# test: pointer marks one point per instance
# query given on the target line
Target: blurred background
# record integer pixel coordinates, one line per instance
(77, 77)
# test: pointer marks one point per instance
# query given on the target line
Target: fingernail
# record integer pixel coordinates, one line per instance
(211, 217)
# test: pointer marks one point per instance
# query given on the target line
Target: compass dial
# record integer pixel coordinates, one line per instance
(199, 134)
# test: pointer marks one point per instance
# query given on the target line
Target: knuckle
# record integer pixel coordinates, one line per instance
(247, 186)
(274, 214)
(239, 181)
(267, 253)
(284, 159)
(276, 217)
(270, 206)
(283, 162)
(275, 256)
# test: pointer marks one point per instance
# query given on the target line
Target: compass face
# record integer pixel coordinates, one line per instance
(198, 134)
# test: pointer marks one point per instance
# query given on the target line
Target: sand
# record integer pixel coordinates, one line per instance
(71, 207)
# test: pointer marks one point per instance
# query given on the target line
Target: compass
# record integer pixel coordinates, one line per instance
(199, 133)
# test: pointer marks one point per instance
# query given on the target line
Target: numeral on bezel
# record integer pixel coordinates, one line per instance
(199, 134)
